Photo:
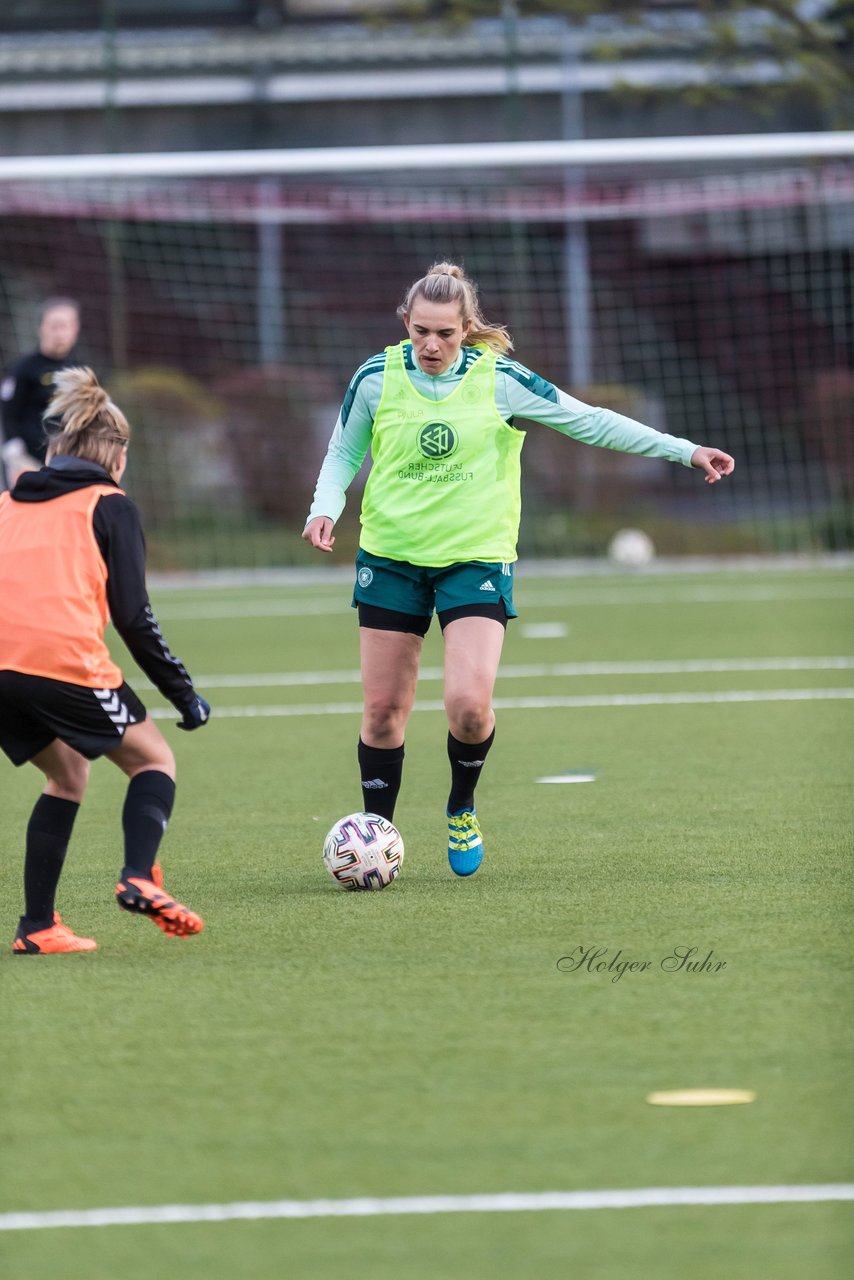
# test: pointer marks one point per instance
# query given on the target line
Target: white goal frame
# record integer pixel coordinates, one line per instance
(480, 155)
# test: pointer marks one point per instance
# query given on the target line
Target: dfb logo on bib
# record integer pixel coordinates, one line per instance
(437, 440)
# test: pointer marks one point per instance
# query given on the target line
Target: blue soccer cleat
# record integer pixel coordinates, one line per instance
(465, 842)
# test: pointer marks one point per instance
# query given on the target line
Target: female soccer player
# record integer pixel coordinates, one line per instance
(440, 521)
(72, 555)
(28, 386)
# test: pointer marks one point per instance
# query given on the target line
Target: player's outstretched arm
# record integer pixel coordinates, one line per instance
(714, 462)
(318, 532)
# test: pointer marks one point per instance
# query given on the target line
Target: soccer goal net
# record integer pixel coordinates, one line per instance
(703, 286)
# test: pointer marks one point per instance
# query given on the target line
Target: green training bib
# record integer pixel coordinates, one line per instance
(446, 474)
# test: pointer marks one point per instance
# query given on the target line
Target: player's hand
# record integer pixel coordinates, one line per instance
(318, 532)
(13, 474)
(17, 461)
(197, 714)
(714, 462)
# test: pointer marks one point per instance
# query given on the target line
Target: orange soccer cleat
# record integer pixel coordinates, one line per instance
(148, 898)
(57, 939)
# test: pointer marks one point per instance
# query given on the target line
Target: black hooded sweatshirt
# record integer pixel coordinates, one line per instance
(26, 394)
(118, 532)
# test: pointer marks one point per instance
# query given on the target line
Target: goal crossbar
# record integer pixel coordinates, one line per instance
(486, 155)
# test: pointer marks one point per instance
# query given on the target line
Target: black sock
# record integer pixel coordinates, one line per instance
(466, 763)
(148, 804)
(382, 770)
(48, 834)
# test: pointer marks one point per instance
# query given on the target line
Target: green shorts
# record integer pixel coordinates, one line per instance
(407, 594)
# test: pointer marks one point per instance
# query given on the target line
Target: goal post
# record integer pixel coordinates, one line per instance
(702, 285)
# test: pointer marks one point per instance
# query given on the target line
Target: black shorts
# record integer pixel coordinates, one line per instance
(34, 711)
(370, 615)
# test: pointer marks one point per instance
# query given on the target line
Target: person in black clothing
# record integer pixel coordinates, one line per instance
(28, 386)
(72, 555)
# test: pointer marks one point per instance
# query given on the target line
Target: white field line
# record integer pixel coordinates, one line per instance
(543, 670)
(680, 594)
(504, 1202)
(567, 778)
(238, 610)
(543, 703)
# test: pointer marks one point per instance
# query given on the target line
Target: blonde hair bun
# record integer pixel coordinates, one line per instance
(90, 427)
(78, 399)
(448, 269)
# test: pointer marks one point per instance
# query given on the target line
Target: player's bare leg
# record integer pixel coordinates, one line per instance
(472, 654)
(389, 678)
(144, 747)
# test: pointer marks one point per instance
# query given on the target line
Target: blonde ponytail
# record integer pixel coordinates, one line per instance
(448, 282)
(91, 427)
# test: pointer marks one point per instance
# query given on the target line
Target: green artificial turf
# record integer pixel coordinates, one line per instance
(312, 1044)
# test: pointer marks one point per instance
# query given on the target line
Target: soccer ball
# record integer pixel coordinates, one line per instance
(363, 851)
(631, 548)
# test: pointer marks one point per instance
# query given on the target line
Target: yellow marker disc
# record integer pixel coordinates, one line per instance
(700, 1097)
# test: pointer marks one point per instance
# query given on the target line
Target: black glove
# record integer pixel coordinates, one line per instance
(197, 714)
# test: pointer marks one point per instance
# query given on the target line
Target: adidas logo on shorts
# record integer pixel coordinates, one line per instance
(487, 586)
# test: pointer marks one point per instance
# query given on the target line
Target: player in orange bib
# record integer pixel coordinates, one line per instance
(72, 557)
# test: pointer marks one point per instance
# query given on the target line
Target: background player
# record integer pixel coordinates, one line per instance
(29, 384)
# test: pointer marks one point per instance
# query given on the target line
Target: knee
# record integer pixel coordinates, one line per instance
(147, 757)
(470, 718)
(167, 761)
(159, 757)
(383, 718)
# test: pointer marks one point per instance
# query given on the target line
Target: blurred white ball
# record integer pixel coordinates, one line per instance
(631, 548)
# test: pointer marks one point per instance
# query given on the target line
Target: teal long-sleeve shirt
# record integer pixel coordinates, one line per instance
(519, 393)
